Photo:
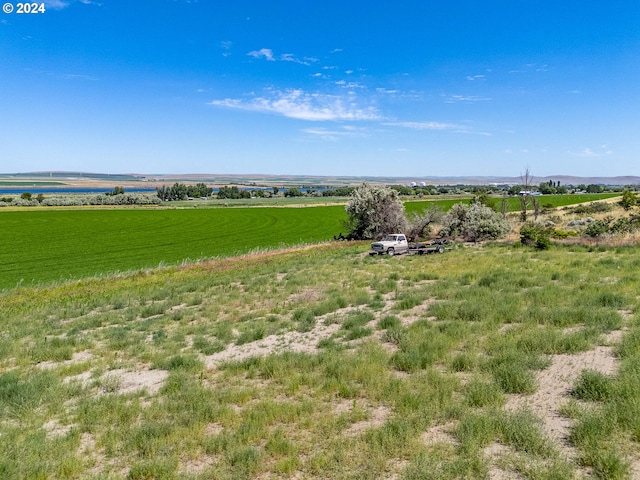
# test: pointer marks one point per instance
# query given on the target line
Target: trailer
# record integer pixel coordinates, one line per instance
(425, 248)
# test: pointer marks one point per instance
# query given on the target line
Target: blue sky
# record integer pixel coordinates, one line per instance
(415, 88)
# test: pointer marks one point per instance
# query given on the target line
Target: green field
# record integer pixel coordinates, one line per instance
(43, 246)
(10, 183)
(51, 245)
(514, 202)
(327, 363)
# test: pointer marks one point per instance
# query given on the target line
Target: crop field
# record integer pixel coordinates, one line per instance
(44, 246)
(51, 245)
(513, 203)
(485, 362)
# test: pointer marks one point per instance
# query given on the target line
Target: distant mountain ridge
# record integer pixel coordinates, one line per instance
(327, 179)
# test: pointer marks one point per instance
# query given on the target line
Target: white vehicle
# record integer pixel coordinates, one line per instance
(393, 244)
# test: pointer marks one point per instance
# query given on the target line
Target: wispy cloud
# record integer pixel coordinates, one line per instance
(603, 151)
(56, 4)
(61, 4)
(334, 135)
(387, 91)
(265, 53)
(423, 125)
(464, 98)
(303, 106)
(437, 127)
(531, 67)
(226, 45)
(74, 76)
(473, 78)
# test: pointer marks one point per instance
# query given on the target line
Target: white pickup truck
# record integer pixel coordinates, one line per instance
(393, 244)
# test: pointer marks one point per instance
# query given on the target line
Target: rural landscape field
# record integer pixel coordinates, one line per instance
(300, 240)
(198, 343)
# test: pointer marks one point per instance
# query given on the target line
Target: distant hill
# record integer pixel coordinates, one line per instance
(317, 180)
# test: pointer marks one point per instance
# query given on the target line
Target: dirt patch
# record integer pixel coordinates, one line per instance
(290, 341)
(56, 429)
(555, 384)
(130, 382)
(307, 295)
(376, 416)
(416, 313)
(440, 434)
(493, 453)
(77, 357)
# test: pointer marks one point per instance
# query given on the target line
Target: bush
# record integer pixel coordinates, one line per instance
(628, 200)
(474, 222)
(535, 235)
(591, 208)
(597, 228)
(374, 211)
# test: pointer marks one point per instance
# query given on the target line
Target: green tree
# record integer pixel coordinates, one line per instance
(628, 200)
(26, 196)
(293, 192)
(374, 211)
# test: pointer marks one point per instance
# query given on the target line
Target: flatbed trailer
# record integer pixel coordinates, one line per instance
(421, 248)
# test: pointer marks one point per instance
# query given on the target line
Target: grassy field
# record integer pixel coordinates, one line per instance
(443, 201)
(15, 183)
(513, 203)
(49, 245)
(42, 246)
(484, 362)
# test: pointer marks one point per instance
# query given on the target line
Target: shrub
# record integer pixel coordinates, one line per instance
(535, 235)
(597, 228)
(591, 208)
(374, 211)
(628, 200)
(474, 222)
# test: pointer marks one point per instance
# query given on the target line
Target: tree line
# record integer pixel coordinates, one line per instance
(180, 191)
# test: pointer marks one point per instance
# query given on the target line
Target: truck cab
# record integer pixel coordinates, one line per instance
(393, 244)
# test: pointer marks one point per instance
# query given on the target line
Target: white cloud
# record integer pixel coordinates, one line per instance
(472, 78)
(60, 4)
(465, 99)
(303, 106)
(290, 57)
(267, 53)
(589, 153)
(437, 127)
(423, 125)
(56, 4)
(335, 134)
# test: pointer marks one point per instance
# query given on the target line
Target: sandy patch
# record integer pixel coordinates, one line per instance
(286, 342)
(376, 416)
(492, 454)
(150, 380)
(555, 384)
(56, 429)
(77, 357)
(440, 434)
